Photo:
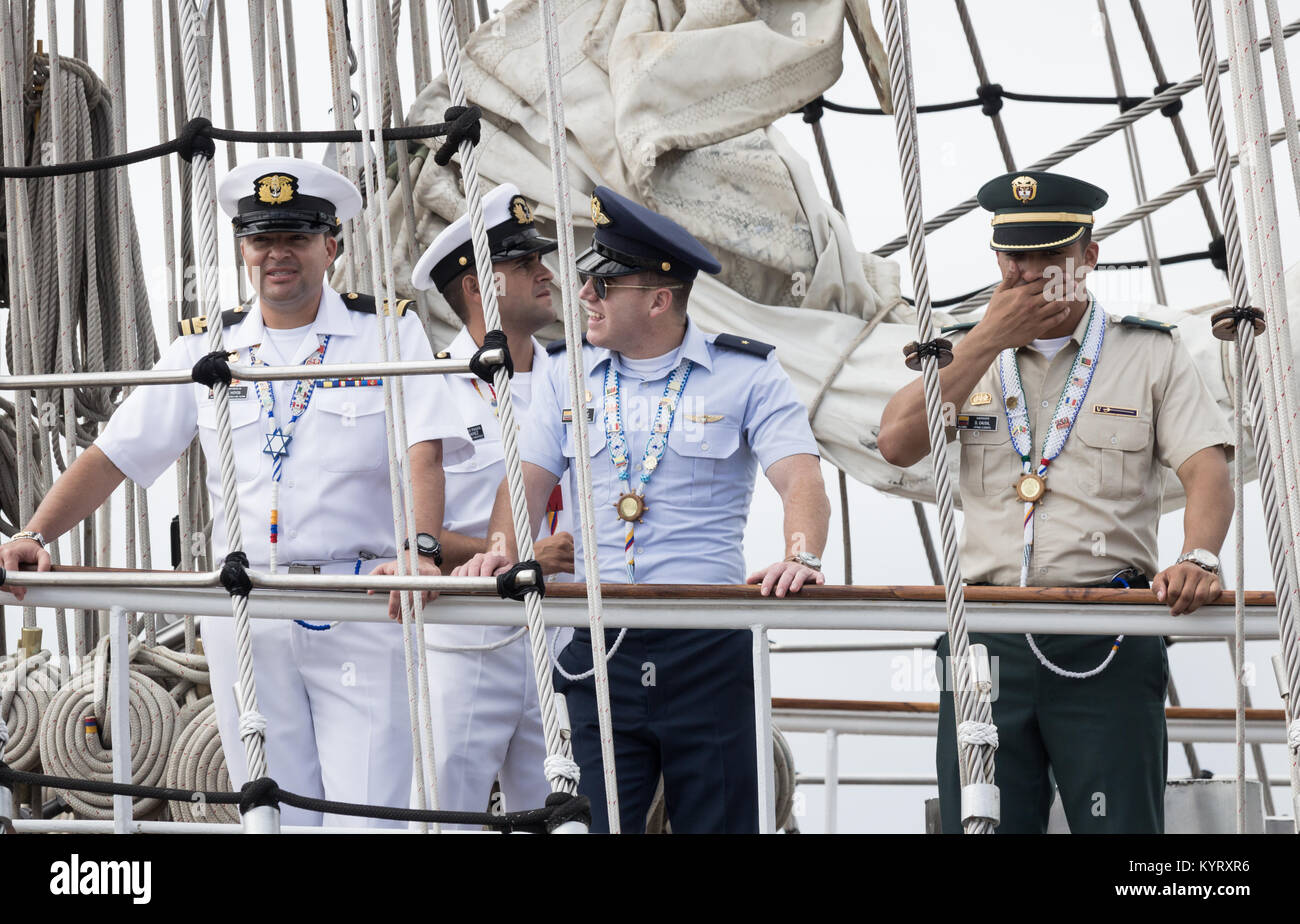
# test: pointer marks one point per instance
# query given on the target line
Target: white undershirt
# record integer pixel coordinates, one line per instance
(652, 368)
(278, 346)
(1051, 346)
(521, 388)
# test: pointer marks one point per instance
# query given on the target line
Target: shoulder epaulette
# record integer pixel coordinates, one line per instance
(555, 346)
(1133, 320)
(743, 345)
(960, 326)
(359, 301)
(199, 325)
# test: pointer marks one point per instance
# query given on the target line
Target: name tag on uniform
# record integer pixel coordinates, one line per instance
(567, 415)
(233, 392)
(976, 422)
(1116, 411)
(475, 432)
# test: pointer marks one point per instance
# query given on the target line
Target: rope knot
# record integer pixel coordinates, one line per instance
(258, 792)
(234, 576)
(1227, 322)
(194, 139)
(979, 734)
(492, 340)
(511, 586)
(566, 808)
(462, 125)
(1168, 110)
(1293, 735)
(990, 97)
(1128, 102)
(1218, 250)
(814, 110)
(212, 368)
(250, 724)
(559, 767)
(939, 348)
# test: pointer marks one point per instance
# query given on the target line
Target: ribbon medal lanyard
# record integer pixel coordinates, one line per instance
(279, 437)
(1033, 479)
(631, 505)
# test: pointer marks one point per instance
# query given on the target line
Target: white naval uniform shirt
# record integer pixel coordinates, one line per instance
(472, 484)
(335, 498)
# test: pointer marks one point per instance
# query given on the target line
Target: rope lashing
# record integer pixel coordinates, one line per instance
(1218, 251)
(462, 126)
(256, 793)
(251, 723)
(1225, 322)
(485, 368)
(212, 368)
(234, 575)
(1293, 735)
(194, 139)
(521, 580)
(566, 807)
(1169, 110)
(939, 348)
(559, 767)
(990, 97)
(813, 111)
(978, 733)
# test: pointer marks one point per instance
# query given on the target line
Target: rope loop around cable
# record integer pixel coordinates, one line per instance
(484, 368)
(1218, 251)
(1227, 322)
(566, 807)
(814, 110)
(212, 368)
(234, 575)
(463, 125)
(262, 791)
(511, 587)
(939, 348)
(559, 767)
(194, 139)
(1169, 110)
(990, 97)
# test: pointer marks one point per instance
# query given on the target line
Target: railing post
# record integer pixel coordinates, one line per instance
(763, 733)
(119, 679)
(832, 784)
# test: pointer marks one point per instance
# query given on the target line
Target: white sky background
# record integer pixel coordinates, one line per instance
(1034, 47)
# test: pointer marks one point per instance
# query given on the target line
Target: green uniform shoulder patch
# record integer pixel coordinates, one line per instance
(1133, 320)
(958, 327)
(199, 325)
(743, 345)
(359, 301)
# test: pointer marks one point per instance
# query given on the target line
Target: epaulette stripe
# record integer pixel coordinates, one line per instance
(743, 345)
(1133, 320)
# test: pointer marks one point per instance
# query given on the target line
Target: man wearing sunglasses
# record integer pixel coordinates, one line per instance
(677, 424)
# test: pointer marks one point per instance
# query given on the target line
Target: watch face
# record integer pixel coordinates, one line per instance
(425, 543)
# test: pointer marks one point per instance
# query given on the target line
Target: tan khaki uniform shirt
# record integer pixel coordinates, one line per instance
(1146, 409)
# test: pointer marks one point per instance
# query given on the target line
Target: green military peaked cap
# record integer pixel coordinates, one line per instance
(1037, 210)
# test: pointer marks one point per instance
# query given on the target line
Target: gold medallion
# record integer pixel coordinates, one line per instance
(631, 507)
(1031, 488)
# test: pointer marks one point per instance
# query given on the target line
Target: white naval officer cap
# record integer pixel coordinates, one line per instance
(287, 194)
(511, 234)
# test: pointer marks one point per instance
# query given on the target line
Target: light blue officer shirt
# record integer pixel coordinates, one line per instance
(737, 410)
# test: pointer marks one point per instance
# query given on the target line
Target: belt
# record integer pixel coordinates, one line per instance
(333, 566)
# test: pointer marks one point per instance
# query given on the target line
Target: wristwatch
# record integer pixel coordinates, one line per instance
(808, 561)
(427, 546)
(28, 534)
(1202, 558)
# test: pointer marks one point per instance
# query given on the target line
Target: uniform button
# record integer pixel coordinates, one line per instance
(1044, 404)
(1042, 570)
(1043, 515)
(1114, 440)
(704, 447)
(293, 533)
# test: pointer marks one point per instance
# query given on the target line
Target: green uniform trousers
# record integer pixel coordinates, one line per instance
(1103, 739)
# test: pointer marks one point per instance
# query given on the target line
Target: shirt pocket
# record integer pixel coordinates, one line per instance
(351, 424)
(1117, 454)
(247, 436)
(705, 448)
(603, 477)
(989, 464)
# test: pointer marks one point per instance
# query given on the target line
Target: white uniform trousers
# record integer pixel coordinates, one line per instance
(336, 708)
(486, 721)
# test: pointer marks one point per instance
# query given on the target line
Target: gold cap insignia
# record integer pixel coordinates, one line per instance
(598, 216)
(276, 188)
(1024, 188)
(521, 210)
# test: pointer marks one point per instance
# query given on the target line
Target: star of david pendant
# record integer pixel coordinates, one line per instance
(277, 444)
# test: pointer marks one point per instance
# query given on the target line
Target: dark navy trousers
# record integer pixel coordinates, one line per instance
(683, 705)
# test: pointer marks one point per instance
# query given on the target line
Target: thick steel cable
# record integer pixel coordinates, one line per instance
(365, 26)
(1176, 119)
(1144, 108)
(275, 67)
(252, 724)
(291, 77)
(1285, 94)
(559, 767)
(569, 285)
(1134, 159)
(1004, 144)
(257, 36)
(420, 45)
(975, 760)
(344, 118)
(1279, 553)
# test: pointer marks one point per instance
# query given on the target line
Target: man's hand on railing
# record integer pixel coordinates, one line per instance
(785, 576)
(419, 565)
(19, 552)
(1186, 587)
(484, 564)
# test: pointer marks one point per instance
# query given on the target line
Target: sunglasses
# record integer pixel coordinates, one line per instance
(601, 286)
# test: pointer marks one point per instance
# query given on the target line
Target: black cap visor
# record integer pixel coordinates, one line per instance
(1020, 238)
(271, 221)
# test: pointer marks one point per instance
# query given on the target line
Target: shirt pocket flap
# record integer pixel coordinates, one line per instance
(713, 441)
(486, 453)
(348, 402)
(242, 412)
(595, 439)
(993, 437)
(1105, 431)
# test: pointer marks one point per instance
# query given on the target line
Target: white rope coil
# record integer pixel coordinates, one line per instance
(979, 734)
(25, 693)
(69, 749)
(197, 763)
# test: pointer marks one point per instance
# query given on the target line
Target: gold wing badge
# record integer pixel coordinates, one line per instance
(598, 216)
(705, 418)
